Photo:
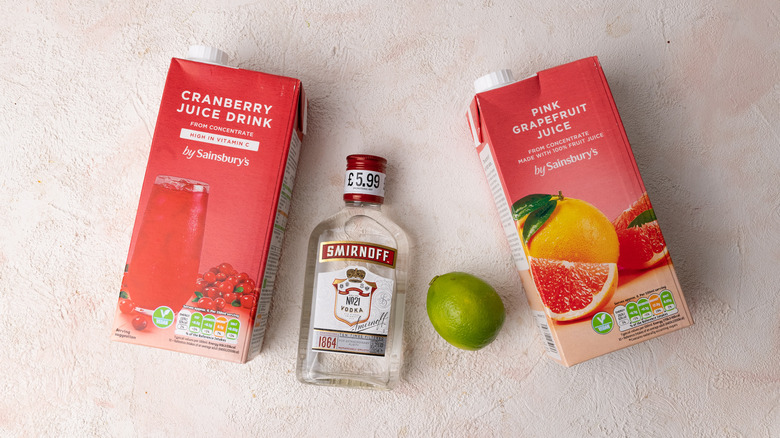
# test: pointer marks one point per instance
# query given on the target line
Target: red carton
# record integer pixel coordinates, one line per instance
(213, 209)
(583, 233)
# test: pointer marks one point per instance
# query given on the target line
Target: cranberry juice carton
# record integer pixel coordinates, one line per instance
(208, 233)
(583, 233)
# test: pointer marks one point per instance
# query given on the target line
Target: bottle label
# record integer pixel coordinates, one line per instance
(364, 182)
(367, 252)
(351, 311)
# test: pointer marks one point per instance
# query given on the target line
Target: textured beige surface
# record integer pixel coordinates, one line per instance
(697, 83)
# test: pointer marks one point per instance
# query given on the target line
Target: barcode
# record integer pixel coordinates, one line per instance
(549, 341)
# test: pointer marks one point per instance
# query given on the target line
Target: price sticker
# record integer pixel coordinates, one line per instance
(365, 182)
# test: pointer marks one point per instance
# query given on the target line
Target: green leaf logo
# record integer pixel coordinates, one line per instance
(645, 217)
(163, 317)
(602, 323)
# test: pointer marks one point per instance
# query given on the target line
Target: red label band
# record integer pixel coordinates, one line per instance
(381, 255)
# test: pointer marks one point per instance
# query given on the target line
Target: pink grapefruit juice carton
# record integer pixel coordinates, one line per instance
(208, 233)
(583, 233)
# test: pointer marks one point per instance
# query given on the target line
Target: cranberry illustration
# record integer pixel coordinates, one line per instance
(126, 306)
(201, 284)
(211, 292)
(225, 282)
(229, 297)
(247, 301)
(139, 322)
(243, 288)
(206, 303)
(225, 287)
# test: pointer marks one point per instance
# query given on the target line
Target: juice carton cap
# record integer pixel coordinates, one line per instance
(493, 80)
(207, 54)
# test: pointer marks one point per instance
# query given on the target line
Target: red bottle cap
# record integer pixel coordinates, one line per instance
(365, 179)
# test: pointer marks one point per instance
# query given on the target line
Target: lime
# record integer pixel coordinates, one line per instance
(465, 311)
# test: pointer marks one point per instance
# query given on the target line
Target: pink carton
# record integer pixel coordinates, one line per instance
(587, 244)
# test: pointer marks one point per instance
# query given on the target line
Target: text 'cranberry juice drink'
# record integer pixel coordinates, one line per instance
(208, 233)
(585, 238)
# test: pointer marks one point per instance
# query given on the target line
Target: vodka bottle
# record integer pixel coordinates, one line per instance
(355, 289)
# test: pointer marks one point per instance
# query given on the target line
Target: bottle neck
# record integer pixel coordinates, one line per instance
(361, 204)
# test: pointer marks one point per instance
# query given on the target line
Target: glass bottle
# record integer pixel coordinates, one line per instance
(355, 289)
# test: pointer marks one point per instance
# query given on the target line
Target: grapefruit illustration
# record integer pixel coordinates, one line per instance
(563, 228)
(572, 250)
(642, 245)
(573, 290)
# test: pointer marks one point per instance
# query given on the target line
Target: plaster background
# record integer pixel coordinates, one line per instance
(697, 84)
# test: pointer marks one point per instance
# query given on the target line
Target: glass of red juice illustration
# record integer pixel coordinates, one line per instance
(166, 255)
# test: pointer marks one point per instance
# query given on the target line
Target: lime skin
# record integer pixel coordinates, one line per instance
(464, 310)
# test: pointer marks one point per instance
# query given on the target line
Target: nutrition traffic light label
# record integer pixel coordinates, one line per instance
(645, 310)
(208, 326)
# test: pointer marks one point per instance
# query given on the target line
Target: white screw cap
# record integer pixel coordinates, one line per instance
(493, 80)
(207, 54)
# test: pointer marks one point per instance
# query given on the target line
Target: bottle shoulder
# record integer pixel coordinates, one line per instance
(361, 224)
